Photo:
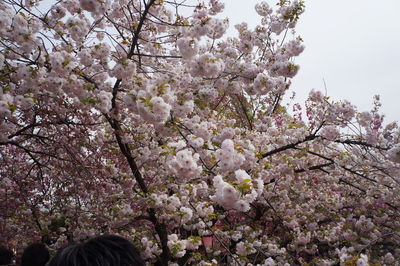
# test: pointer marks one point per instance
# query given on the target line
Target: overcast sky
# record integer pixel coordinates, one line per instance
(354, 45)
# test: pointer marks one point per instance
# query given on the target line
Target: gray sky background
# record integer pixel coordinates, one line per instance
(354, 45)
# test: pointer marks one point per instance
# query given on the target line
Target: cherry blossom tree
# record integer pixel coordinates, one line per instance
(142, 118)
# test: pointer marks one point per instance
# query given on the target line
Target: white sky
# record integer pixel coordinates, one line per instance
(354, 45)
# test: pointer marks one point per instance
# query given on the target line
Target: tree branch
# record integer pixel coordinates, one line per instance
(289, 146)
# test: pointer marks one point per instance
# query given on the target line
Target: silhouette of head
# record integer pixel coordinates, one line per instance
(35, 254)
(5, 256)
(106, 250)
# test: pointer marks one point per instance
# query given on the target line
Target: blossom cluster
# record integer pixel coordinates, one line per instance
(238, 196)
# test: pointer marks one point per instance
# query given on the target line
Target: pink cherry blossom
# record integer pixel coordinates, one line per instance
(144, 119)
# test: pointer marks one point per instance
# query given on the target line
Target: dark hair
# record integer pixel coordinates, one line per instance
(105, 250)
(35, 254)
(5, 255)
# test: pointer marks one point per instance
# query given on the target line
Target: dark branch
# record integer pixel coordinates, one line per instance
(289, 146)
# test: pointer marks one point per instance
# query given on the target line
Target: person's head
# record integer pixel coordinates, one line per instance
(5, 256)
(106, 250)
(35, 254)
